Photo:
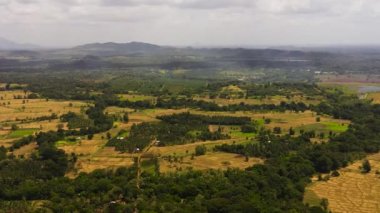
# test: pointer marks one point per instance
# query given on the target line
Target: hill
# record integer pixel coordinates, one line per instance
(6, 44)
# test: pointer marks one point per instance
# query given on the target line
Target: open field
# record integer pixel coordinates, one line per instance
(25, 150)
(92, 154)
(136, 97)
(14, 109)
(268, 100)
(375, 96)
(349, 78)
(147, 115)
(213, 160)
(352, 191)
(21, 133)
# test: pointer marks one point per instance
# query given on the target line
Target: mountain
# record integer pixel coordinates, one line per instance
(6, 44)
(111, 48)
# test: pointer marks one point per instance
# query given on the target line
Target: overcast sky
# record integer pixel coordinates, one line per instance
(192, 22)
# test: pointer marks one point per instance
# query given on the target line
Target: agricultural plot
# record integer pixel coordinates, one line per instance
(349, 78)
(93, 154)
(209, 161)
(136, 97)
(257, 101)
(352, 191)
(302, 120)
(375, 96)
(16, 109)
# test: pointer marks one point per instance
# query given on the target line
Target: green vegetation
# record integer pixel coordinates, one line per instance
(290, 156)
(19, 133)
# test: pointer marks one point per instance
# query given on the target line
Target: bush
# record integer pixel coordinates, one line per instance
(200, 150)
(335, 173)
(366, 166)
(248, 129)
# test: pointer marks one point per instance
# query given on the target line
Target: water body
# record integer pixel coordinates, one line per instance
(366, 89)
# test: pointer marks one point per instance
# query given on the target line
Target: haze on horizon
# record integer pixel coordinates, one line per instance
(192, 22)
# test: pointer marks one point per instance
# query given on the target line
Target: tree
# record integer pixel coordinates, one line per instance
(109, 135)
(291, 131)
(200, 150)
(366, 166)
(248, 129)
(325, 204)
(90, 136)
(277, 130)
(60, 126)
(125, 117)
(14, 127)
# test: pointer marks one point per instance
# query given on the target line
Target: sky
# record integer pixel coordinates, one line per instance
(61, 23)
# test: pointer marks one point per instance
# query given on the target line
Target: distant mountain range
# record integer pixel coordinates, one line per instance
(111, 48)
(6, 44)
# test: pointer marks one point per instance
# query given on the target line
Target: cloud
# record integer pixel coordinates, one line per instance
(191, 21)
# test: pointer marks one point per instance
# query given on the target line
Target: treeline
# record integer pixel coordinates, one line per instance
(194, 119)
(175, 103)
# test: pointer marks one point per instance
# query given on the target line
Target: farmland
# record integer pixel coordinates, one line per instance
(17, 109)
(227, 130)
(352, 191)
(94, 154)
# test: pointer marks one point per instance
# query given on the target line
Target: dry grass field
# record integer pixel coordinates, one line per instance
(349, 78)
(213, 160)
(375, 96)
(352, 191)
(26, 150)
(147, 115)
(13, 110)
(268, 100)
(187, 149)
(92, 154)
(136, 97)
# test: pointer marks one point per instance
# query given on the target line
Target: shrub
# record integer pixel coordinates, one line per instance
(200, 150)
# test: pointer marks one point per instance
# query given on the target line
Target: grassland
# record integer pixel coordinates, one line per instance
(256, 101)
(213, 160)
(349, 78)
(352, 191)
(375, 96)
(16, 109)
(21, 133)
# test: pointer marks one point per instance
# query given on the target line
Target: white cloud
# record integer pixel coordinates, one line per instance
(191, 21)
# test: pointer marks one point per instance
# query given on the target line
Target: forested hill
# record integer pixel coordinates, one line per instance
(151, 56)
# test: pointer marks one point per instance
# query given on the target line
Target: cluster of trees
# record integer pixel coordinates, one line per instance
(142, 135)
(176, 129)
(95, 121)
(360, 139)
(195, 119)
(283, 89)
(173, 103)
(19, 178)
